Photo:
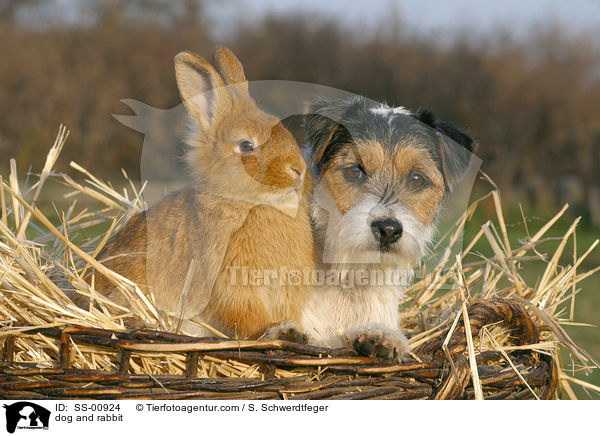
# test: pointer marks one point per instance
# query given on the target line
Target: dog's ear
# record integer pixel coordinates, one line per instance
(322, 134)
(455, 148)
(324, 129)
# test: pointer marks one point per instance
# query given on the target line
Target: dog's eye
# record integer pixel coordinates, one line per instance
(353, 173)
(416, 181)
(246, 147)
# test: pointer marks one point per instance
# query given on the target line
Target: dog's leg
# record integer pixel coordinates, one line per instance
(380, 341)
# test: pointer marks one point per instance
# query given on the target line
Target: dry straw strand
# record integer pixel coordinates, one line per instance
(41, 265)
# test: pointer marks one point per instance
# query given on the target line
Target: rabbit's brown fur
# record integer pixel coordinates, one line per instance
(243, 210)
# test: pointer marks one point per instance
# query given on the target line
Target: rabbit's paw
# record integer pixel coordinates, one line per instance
(287, 331)
(380, 342)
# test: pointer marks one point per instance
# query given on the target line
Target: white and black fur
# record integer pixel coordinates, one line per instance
(367, 317)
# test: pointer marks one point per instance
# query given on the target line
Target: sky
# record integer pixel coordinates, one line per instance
(424, 16)
(419, 16)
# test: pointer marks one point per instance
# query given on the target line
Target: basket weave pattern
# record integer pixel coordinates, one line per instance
(322, 373)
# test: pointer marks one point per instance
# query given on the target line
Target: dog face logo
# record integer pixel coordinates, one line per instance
(26, 415)
(385, 180)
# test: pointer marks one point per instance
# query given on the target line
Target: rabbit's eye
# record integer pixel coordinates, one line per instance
(246, 147)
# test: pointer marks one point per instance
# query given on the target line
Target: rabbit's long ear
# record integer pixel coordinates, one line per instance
(230, 68)
(202, 89)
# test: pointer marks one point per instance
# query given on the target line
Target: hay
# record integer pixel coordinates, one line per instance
(44, 257)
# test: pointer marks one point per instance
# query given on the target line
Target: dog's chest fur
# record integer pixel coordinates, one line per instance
(334, 313)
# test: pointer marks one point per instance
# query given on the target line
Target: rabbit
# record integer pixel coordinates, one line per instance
(245, 210)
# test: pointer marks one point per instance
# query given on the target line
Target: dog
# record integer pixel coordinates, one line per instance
(381, 175)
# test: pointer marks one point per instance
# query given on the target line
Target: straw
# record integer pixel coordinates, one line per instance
(43, 262)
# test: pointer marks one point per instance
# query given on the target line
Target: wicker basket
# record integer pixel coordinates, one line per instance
(441, 369)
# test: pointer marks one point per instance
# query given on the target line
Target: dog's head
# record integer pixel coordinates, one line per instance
(382, 174)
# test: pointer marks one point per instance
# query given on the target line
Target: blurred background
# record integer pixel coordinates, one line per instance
(523, 77)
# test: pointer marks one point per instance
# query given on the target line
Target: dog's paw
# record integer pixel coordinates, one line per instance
(380, 342)
(287, 331)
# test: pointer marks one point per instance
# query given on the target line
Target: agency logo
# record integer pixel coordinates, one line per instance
(26, 415)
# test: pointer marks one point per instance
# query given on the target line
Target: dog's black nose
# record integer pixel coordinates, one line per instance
(386, 231)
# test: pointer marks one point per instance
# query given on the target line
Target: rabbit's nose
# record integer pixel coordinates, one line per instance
(297, 173)
(294, 170)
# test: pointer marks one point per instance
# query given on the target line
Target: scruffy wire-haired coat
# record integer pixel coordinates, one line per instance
(382, 174)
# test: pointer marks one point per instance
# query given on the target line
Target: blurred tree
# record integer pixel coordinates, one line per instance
(531, 103)
(9, 8)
